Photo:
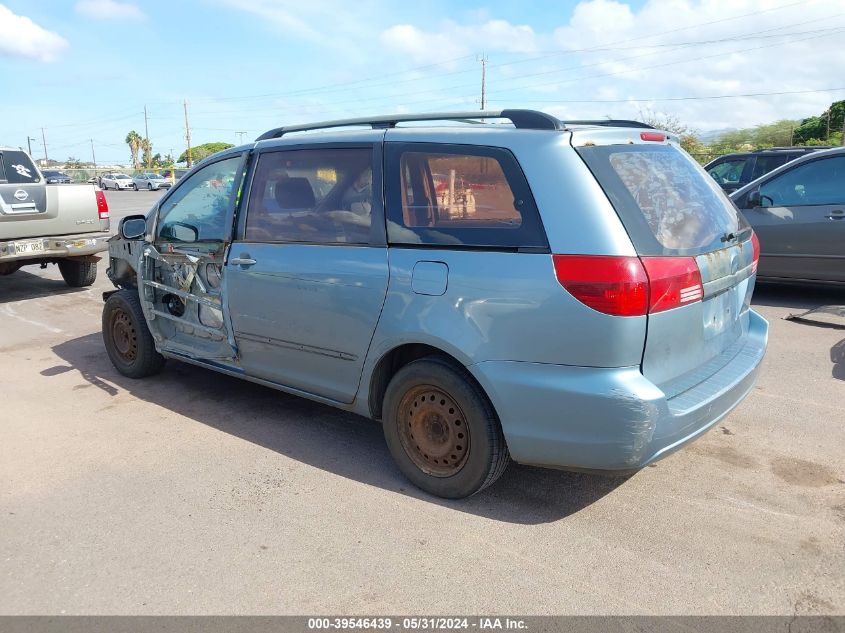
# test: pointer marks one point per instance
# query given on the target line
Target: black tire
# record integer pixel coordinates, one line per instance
(455, 423)
(150, 186)
(134, 186)
(127, 338)
(78, 274)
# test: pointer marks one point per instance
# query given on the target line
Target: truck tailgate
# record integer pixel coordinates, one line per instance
(48, 210)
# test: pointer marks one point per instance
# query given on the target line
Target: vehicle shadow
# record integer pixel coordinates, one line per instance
(837, 357)
(23, 285)
(321, 436)
(796, 296)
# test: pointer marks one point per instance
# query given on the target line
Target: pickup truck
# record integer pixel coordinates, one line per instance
(49, 224)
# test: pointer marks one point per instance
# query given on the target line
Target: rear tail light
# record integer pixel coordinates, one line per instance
(652, 136)
(630, 286)
(612, 285)
(755, 250)
(102, 205)
(673, 282)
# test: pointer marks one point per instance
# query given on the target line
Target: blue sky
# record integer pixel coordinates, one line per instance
(85, 69)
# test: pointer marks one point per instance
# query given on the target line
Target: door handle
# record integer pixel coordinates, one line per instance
(243, 260)
(836, 214)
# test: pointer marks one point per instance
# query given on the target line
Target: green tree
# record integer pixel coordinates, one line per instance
(73, 163)
(203, 151)
(134, 141)
(147, 149)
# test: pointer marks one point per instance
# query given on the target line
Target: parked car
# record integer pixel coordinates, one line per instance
(798, 212)
(733, 171)
(174, 174)
(117, 181)
(44, 223)
(54, 177)
(589, 309)
(150, 181)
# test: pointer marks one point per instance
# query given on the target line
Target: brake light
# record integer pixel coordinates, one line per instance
(652, 136)
(612, 285)
(673, 282)
(755, 250)
(630, 286)
(102, 205)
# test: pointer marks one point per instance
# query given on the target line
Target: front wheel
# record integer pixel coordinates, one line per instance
(127, 338)
(441, 430)
(135, 187)
(78, 274)
(150, 186)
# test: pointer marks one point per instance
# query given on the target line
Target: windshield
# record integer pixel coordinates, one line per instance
(665, 199)
(122, 177)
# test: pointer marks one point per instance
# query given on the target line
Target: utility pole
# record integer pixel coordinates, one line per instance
(147, 147)
(93, 156)
(29, 144)
(240, 137)
(843, 132)
(187, 133)
(44, 142)
(483, 59)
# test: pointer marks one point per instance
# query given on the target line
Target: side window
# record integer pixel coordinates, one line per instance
(765, 164)
(17, 167)
(316, 196)
(729, 172)
(460, 196)
(199, 209)
(819, 182)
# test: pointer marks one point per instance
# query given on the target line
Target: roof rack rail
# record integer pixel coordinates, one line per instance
(793, 148)
(613, 123)
(523, 119)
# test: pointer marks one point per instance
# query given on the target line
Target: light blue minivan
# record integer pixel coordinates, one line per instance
(490, 285)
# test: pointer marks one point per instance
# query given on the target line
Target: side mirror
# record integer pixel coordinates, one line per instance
(133, 227)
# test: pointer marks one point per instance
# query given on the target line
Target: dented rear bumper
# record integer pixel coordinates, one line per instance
(613, 418)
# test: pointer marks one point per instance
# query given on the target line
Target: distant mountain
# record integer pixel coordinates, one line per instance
(711, 135)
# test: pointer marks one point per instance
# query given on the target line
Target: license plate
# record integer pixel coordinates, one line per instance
(22, 248)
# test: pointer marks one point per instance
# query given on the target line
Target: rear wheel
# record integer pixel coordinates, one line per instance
(441, 429)
(127, 338)
(134, 186)
(78, 274)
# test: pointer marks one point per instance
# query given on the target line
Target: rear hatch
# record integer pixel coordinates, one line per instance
(698, 251)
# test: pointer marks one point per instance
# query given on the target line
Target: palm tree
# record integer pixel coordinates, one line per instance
(147, 150)
(134, 141)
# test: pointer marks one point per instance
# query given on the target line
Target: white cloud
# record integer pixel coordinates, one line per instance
(21, 37)
(454, 40)
(609, 50)
(109, 10)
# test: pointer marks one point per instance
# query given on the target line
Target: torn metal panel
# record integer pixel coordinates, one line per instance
(184, 308)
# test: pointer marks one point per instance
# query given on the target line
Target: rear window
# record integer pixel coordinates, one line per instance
(17, 168)
(458, 195)
(665, 199)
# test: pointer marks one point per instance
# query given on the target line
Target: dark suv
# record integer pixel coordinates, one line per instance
(733, 171)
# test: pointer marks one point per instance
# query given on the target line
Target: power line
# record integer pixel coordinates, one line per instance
(640, 100)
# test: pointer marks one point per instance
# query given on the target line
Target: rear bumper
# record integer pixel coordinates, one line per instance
(613, 418)
(58, 247)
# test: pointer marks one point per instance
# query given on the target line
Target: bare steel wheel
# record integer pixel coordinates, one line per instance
(442, 430)
(434, 431)
(127, 338)
(124, 336)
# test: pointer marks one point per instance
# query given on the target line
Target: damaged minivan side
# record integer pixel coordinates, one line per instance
(571, 295)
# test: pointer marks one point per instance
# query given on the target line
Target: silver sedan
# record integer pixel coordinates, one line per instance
(150, 181)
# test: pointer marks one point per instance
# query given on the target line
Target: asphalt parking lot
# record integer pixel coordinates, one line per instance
(195, 493)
